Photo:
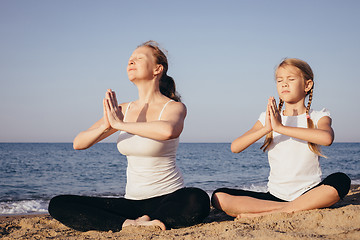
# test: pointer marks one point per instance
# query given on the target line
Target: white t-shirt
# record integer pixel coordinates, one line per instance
(294, 168)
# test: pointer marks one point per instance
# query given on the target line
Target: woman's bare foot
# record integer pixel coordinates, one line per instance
(146, 221)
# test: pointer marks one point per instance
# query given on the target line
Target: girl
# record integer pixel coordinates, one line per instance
(149, 136)
(293, 136)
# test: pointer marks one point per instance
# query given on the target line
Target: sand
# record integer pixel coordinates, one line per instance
(341, 221)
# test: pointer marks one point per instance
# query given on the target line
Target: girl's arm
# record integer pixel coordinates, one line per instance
(322, 135)
(254, 134)
(169, 127)
(248, 138)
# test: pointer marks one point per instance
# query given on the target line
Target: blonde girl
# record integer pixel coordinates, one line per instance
(293, 133)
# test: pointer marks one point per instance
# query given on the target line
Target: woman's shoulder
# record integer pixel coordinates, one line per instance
(177, 106)
(171, 108)
(124, 105)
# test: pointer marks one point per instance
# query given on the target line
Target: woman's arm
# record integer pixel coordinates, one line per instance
(169, 127)
(97, 132)
(94, 134)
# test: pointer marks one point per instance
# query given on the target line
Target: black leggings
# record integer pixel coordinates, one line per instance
(182, 208)
(340, 181)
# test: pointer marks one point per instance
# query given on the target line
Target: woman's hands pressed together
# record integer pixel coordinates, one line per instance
(113, 117)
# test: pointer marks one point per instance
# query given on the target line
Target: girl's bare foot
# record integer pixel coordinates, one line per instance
(129, 222)
(250, 215)
(146, 221)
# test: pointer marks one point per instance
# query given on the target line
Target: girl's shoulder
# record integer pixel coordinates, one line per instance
(262, 118)
(316, 115)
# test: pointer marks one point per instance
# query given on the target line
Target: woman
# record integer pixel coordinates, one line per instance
(149, 136)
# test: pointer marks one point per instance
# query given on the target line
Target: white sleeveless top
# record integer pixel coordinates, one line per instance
(152, 169)
(294, 168)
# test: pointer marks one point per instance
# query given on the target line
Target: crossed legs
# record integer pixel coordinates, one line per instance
(244, 206)
(182, 208)
(239, 203)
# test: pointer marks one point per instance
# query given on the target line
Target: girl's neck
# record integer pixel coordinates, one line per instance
(294, 109)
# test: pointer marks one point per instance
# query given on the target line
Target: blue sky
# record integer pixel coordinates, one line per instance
(57, 58)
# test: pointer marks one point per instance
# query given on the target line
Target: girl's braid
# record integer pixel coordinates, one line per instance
(309, 103)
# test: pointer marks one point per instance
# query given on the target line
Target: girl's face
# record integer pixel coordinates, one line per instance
(142, 64)
(291, 85)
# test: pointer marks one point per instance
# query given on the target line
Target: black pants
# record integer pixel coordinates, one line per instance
(340, 181)
(182, 208)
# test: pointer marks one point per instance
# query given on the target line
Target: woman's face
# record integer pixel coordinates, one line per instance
(141, 64)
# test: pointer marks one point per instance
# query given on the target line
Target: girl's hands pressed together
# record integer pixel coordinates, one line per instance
(275, 116)
(112, 111)
(268, 126)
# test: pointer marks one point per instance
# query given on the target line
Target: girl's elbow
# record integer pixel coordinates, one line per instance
(328, 140)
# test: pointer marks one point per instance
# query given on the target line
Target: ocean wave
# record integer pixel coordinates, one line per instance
(23, 207)
(357, 181)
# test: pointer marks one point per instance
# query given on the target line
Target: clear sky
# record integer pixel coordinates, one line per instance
(57, 58)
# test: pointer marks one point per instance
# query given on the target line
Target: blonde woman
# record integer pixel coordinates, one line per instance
(149, 136)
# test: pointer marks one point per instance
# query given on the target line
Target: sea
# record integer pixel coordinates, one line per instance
(32, 173)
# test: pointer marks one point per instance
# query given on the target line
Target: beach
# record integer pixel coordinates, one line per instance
(342, 221)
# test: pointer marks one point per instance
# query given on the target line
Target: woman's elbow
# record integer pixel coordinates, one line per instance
(234, 148)
(170, 133)
(77, 145)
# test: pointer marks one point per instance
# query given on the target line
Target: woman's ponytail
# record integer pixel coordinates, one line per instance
(168, 88)
(166, 83)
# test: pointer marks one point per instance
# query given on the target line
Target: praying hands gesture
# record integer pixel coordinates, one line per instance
(113, 116)
(272, 123)
(273, 116)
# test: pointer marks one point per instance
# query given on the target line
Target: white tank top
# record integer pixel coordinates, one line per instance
(152, 169)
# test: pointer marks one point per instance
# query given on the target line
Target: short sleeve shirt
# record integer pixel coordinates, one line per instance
(294, 168)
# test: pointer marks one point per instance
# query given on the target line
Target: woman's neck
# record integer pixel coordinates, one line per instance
(148, 91)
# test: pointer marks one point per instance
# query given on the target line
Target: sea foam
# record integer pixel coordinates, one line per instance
(23, 207)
